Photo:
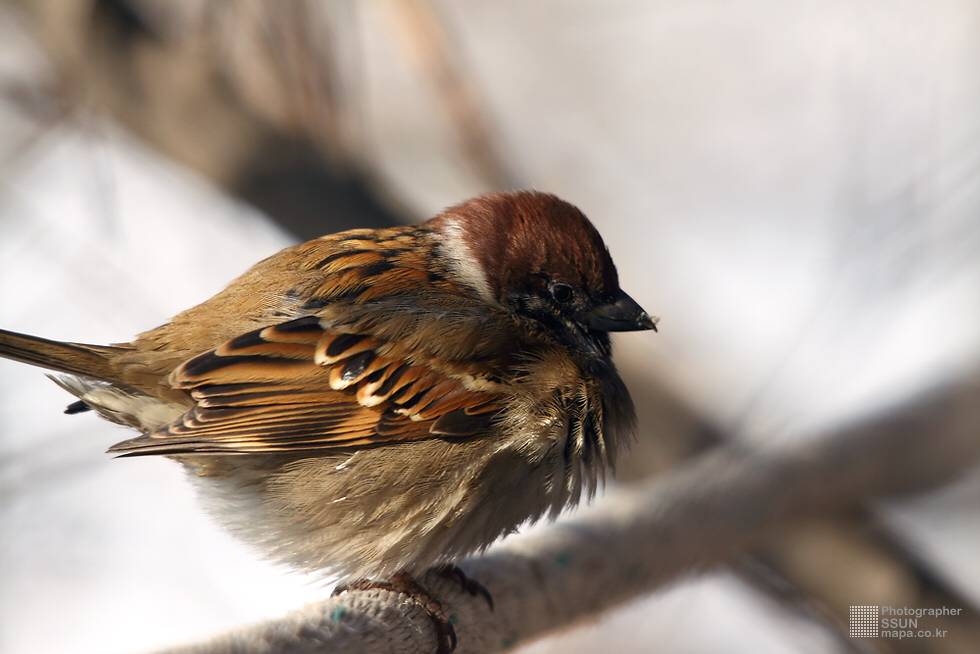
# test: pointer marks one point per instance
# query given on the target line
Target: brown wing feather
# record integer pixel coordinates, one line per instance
(299, 386)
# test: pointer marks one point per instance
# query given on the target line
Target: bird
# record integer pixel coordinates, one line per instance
(376, 403)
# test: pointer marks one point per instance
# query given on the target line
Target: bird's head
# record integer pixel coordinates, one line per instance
(542, 259)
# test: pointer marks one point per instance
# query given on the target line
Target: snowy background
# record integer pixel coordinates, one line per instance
(793, 187)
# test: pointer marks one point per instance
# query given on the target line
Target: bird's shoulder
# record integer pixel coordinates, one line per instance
(350, 277)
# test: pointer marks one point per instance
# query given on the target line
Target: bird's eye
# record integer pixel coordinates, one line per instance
(561, 292)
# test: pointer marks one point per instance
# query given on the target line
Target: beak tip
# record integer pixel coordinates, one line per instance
(621, 314)
(647, 321)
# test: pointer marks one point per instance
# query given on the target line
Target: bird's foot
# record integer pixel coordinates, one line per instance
(471, 586)
(404, 584)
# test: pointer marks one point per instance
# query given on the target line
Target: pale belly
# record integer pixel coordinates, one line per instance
(379, 511)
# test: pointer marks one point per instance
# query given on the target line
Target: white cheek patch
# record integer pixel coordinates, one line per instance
(463, 262)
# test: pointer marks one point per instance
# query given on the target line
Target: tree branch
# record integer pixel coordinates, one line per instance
(710, 511)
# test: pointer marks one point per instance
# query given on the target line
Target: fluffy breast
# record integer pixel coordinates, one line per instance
(409, 506)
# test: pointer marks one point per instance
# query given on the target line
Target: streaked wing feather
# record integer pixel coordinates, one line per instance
(300, 386)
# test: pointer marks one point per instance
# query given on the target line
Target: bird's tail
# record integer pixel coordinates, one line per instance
(93, 361)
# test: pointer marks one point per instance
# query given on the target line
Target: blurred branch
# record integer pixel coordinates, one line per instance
(246, 94)
(835, 562)
(715, 509)
(259, 96)
(427, 40)
(813, 568)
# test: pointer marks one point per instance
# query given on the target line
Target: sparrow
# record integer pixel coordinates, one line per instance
(377, 402)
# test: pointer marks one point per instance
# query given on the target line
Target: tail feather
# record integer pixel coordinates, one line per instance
(75, 358)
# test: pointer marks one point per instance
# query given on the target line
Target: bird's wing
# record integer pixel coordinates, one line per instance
(304, 385)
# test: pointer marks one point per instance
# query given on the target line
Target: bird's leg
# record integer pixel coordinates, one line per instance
(405, 584)
(471, 586)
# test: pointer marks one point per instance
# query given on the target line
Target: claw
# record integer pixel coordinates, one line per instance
(471, 586)
(404, 584)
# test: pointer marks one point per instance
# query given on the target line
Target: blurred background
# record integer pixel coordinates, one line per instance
(794, 187)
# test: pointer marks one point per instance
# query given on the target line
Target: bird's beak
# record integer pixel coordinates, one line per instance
(621, 314)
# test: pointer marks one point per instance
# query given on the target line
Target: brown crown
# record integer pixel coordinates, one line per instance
(519, 237)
